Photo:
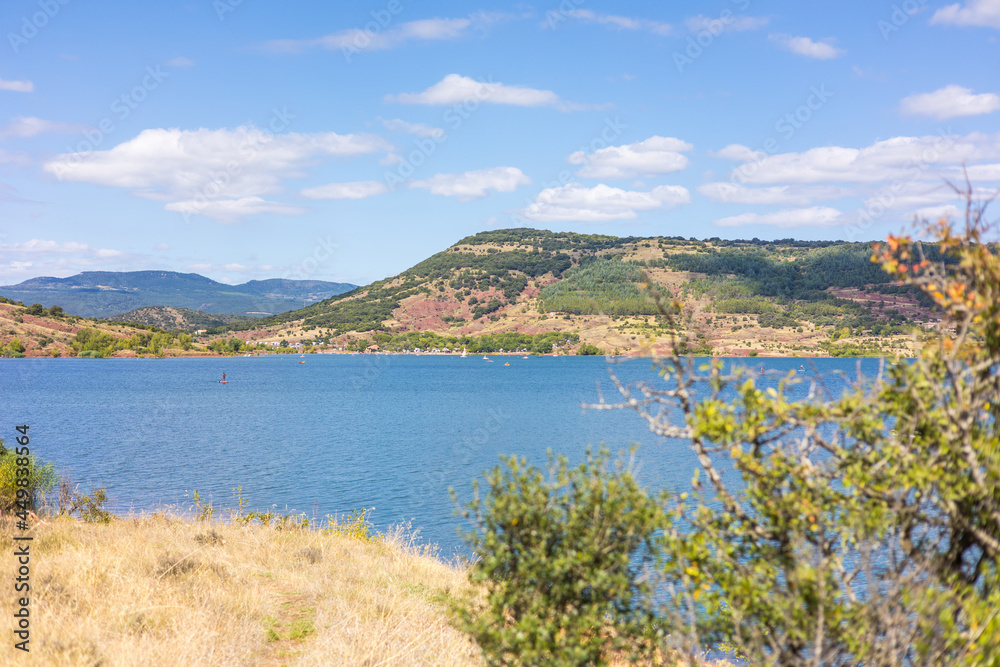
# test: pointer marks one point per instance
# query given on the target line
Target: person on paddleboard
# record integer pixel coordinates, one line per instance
(223, 377)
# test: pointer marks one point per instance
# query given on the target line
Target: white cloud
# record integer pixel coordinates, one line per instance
(28, 126)
(601, 203)
(737, 153)
(983, 13)
(161, 246)
(40, 257)
(474, 184)
(937, 212)
(180, 61)
(950, 102)
(656, 155)
(728, 23)
(814, 216)
(457, 89)
(17, 86)
(915, 194)
(353, 190)
(788, 195)
(367, 39)
(804, 46)
(618, 22)
(224, 172)
(903, 158)
(36, 246)
(981, 172)
(232, 210)
(417, 129)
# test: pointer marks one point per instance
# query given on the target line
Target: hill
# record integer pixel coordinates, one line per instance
(107, 293)
(171, 318)
(530, 289)
(31, 331)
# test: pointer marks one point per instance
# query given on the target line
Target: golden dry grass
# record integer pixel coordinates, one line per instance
(162, 590)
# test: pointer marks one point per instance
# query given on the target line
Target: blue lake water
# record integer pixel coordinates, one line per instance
(335, 433)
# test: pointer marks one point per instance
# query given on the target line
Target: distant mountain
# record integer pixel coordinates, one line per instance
(108, 293)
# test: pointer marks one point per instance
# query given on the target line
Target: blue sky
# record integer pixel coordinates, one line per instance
(246, 139)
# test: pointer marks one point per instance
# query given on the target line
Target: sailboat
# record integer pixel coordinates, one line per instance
(463, 353)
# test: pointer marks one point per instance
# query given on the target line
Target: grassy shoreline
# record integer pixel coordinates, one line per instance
(167, 590)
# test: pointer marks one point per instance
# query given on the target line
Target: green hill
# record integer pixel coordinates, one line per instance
(737, 295)
(172, 318)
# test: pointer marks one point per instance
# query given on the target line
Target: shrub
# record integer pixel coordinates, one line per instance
(862, 528)
(588, 350)
(41, 479)
(558, 561)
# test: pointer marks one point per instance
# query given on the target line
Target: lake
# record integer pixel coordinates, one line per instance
(335, 433)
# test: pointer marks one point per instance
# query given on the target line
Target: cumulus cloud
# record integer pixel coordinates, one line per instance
(474, 184)
(352, 190)
(458, 89)
(29, 126)
(902, 174)
(656, 155)
(17, 86)
(804, 46)
(903, 158)
(814, 216)
(378, 38)
(737, 153)
(909, 195)
(617, 22)
(787, 195)
(721, 24)
(950, 102)
(601, 203)
(983, 13)
(219, 173)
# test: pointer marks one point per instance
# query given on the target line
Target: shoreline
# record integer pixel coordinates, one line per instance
(452, 354)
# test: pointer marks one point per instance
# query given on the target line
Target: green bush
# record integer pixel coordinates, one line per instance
(588, 350)
(557, 560)
(41, 479)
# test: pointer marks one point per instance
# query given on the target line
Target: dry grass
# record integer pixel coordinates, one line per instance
(161, 590)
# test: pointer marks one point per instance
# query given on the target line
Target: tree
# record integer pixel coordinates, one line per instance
(862, 529)
(820, 530)
(35, 309)
(556, 560)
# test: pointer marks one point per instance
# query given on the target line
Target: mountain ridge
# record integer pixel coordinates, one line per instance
(112, 293)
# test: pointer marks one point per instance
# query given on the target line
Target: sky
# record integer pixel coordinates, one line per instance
(254, 139)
